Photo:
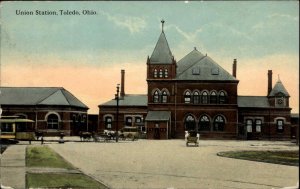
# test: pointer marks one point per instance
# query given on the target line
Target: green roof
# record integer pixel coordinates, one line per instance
(158, 116)
(38, 96)
(161, 53)
(253, 102)
(278, 88)
(196, 66)
(129, 100)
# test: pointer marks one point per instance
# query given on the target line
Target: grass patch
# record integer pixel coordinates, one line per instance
(43, 156)
(62, 181)
(276, 157)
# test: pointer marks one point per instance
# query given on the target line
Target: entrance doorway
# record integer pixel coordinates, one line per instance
(156, 133)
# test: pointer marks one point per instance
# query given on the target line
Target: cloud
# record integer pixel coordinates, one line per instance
(286, 16)
(190, 36)
(133, 24)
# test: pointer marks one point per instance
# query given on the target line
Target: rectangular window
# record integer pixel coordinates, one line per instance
(164, 98)
(249, 126)
(138, 120)
(128, 121)
(6, 127)
(258, 124)
(108, 122)
(280, 126)
(187, 99)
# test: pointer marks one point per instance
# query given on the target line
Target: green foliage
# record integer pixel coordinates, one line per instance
(63, 181)
(277, 157)
(43, 156)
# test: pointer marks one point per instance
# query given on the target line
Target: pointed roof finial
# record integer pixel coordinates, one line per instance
(278, 77)
(162, 25)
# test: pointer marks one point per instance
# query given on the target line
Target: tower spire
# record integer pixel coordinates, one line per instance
(162, 25)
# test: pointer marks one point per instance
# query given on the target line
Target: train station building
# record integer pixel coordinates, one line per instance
(196, 93)
(53, 109)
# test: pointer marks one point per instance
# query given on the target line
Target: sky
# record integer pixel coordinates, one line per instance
(85, 53)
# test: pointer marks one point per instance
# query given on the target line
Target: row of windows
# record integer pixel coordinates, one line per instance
(129, 121)
(205, 124)
(205, 97)
(255, 126)
(53, 119)
(196, 97)
(161, 73)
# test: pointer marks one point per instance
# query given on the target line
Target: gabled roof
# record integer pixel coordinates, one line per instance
(253, 102)
(196, 66)
(38, 96)
(278, 88)
(129, 100)
(158, 116)
(162, 53)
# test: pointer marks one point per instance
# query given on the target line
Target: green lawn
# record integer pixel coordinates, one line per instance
(277, 157)
(62, 181)
(43, 156)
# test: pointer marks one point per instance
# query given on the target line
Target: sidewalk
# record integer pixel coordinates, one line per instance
(13, 168)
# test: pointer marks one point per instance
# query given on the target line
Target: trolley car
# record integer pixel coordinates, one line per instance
(15, 128)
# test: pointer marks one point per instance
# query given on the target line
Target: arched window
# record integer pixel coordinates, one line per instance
(160, 73)
(187, 97)
(166, 73)
(156, 97)
(213, 97)
(204, 98)
(155, 73)
(108, 122)
(164, 97)
(222, 97)
(219, 123)
(190, 123)
(196, 97)
(52, 121)
(204, 123)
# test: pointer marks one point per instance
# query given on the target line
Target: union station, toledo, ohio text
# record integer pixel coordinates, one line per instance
(59, 12)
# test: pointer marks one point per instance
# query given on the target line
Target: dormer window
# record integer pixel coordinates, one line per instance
(155, 73)
(215, 71)
(196, 71)
(166, 73)
(160, 73)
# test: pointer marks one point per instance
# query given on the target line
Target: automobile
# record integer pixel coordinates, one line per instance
(129, 133)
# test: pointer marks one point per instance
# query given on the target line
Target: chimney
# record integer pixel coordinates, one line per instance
(122, 93)
(269, 81)
(234, 68)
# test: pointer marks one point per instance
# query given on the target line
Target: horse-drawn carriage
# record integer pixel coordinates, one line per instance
(105, 136)
(192, 137)
(126, 133)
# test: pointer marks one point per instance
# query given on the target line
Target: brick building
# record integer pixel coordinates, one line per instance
(53, 109)
(196, 93)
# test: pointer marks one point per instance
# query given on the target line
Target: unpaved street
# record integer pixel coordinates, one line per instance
(170, 164)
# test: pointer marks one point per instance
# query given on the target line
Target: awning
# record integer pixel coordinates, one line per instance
(158, 116)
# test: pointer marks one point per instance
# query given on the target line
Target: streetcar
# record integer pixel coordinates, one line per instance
(15, 128)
